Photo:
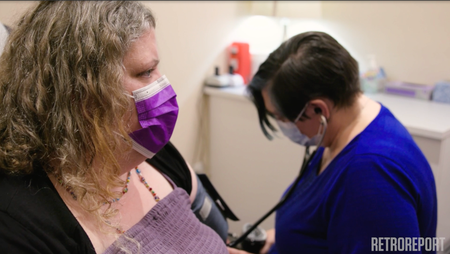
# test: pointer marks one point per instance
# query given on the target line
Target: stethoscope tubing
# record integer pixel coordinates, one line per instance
(306, 161)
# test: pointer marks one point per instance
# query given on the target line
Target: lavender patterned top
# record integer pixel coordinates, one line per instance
(170, 227)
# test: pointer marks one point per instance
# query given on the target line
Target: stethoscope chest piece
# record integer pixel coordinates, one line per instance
(254, 242)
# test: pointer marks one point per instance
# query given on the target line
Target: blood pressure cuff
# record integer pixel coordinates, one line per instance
(218, 200)
(210, 208)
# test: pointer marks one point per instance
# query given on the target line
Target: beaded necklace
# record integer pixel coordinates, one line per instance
(146, 185)
(125, 190)
(72, 193)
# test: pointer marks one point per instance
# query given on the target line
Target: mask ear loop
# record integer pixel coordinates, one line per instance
(132, 97)
(301, 113)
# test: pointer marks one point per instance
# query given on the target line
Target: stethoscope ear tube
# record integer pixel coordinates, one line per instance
(306, 161)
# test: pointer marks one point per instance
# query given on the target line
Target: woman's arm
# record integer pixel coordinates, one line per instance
(205, 209)
(194, 181)
(171, 163)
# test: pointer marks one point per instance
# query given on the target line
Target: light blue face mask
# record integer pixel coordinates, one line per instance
(291, 131)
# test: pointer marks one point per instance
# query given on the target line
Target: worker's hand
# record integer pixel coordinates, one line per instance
(236, 251)
(270, 240)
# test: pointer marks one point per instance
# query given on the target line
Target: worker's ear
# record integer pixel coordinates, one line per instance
(320, 107)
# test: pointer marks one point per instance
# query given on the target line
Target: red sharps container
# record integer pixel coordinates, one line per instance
(239, 59)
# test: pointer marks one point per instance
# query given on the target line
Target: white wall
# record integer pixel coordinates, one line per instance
(10, 11)
(409, 38)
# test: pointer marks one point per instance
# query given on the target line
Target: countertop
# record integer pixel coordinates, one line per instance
(422, 118)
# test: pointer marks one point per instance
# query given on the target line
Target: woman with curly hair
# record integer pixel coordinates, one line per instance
(84, 109)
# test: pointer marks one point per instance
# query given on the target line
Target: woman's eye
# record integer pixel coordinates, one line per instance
(146, 73)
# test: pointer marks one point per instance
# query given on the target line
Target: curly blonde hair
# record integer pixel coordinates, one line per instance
(63, 101)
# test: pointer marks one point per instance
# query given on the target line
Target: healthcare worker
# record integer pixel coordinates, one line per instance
(367, 179)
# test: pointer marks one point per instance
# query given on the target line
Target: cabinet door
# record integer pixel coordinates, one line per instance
(249, 171)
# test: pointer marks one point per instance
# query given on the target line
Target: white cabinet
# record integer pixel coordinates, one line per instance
(251, 172)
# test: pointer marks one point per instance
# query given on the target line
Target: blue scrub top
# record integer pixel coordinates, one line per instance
(379, 185)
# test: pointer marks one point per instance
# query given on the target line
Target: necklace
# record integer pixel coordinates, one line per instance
(74, 196)
(125, 190)
(146, 185)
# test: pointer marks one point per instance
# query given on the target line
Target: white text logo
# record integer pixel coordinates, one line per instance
(408, 243)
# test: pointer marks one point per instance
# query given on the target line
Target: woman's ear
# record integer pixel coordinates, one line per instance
(320, 107)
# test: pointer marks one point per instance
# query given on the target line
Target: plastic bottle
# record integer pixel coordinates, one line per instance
(372, 81)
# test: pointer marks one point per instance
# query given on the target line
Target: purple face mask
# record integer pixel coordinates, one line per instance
(157, 111)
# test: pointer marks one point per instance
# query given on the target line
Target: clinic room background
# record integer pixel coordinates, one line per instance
(218, 132)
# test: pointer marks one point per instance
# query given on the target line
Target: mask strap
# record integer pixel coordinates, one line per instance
(118, 134)
(142, 150)
(301, 112)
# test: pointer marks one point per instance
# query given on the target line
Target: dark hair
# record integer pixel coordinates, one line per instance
(307, 66)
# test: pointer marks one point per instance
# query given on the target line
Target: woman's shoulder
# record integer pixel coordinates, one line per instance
(386, 137)
(171, 163)
(21, 189)
(384, 150)
(372, 173)
(32, 204)
(29, 198)
(386, 127)
(386, 157)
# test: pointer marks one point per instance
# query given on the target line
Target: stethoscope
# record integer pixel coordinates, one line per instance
(306, 160)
